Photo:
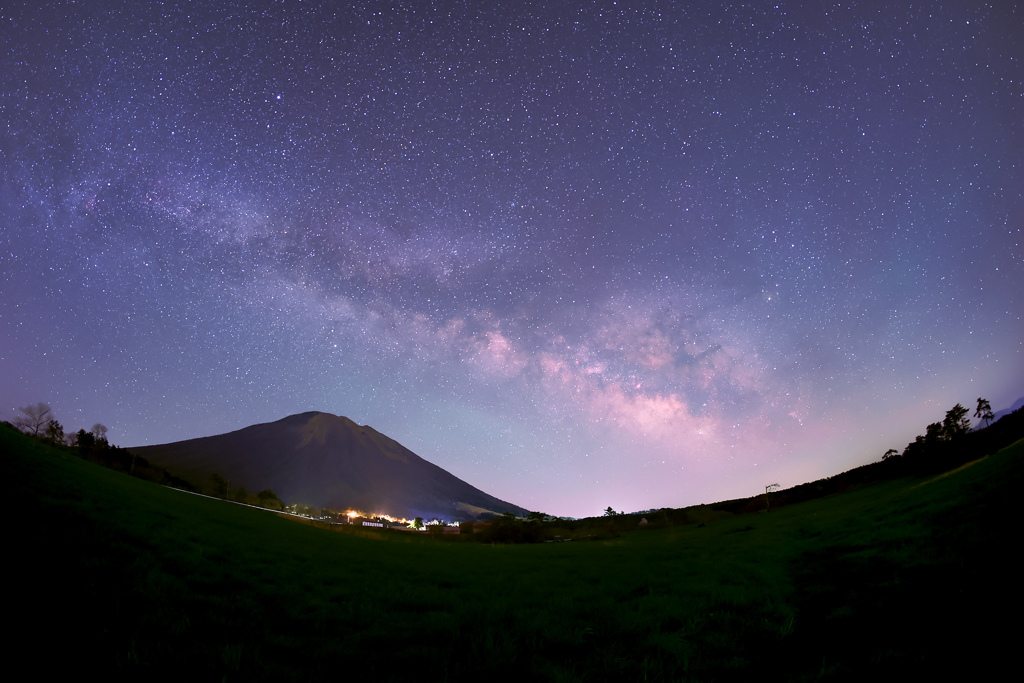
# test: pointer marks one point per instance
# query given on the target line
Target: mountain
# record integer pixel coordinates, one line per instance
(325, 460)
(1016, 406)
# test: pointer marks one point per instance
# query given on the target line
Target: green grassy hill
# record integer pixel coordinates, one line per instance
(121, 577)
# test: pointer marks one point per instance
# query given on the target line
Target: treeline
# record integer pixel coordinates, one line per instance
(101, 452)
(951, 442)
(88, 446)
(219, 487)
(944, 446)
(39, 422)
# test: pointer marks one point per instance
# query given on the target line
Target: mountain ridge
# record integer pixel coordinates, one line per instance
(330, 461)
(1017, 405)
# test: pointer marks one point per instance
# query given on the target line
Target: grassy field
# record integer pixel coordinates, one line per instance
(122, 577)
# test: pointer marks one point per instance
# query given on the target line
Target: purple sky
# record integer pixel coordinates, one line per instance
(578, 254)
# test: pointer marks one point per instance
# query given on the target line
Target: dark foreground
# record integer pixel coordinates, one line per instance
(129, 580)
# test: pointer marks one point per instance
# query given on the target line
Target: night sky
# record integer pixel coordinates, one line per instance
(578, 254)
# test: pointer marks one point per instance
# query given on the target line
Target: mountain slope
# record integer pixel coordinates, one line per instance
(1018, 404)
(329, 461)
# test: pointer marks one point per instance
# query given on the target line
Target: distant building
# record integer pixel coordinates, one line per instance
(363, 521)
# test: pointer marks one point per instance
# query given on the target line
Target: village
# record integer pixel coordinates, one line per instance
(383, 521)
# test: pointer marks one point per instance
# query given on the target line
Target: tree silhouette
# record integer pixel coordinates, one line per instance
(33, 418)
(85, 441)
(269, 499)
(956, 423)
(99, 432)
(221, 486)
(55, 432)
(984, 411)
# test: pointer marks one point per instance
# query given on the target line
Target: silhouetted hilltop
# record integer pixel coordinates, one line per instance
(928, 458)
(324, 460)
(1018, 404)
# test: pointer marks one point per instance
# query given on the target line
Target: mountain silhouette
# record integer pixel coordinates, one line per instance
(1018, 404)
(328, 461)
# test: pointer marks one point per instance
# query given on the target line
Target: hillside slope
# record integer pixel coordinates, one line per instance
(124, 579)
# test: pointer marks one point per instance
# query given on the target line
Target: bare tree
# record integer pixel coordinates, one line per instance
(33, 419)
(99, 432)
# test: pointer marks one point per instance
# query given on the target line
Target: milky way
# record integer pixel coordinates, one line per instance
(578, 254)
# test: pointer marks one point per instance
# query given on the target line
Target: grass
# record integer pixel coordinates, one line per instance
(128, 579)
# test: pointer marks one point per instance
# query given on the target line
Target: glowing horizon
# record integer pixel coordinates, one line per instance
(632, 256)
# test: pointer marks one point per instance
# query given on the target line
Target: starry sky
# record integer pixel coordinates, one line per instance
(579, 254)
